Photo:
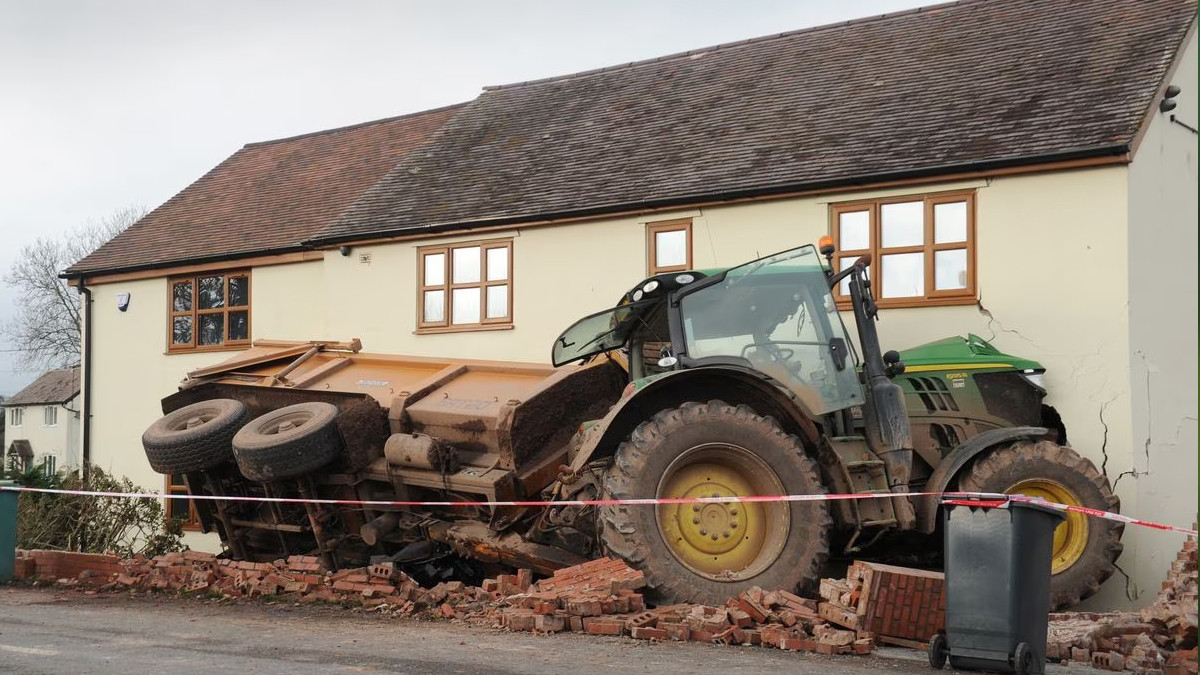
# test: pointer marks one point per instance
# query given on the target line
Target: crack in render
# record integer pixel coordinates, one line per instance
(1131, 593)
(992, 321)
(1104, 441)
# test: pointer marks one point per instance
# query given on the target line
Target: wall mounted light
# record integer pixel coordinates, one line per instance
(344, 250)
(1167, 104)
(122, 301)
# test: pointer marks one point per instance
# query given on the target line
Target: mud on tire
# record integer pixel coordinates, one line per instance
(196, 437)
(288, 442)
(1062, 467)
(791, 555)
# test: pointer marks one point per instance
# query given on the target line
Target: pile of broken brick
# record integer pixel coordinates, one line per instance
(875, 604)
(599, 597)
(1159, 639)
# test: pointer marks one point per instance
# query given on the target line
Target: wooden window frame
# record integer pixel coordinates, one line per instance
(932, 296)
(448, 287)
(192, 522)
(46, 413)
(195, 312)
(652, 231)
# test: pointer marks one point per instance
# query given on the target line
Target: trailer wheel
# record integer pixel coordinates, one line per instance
(289, 442)
(708, 553)
(195, 437)
(1085, 548)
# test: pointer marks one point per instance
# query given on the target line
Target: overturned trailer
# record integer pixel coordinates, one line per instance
(731, 383)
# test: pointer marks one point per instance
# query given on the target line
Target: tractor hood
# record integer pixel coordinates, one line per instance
(959, 353)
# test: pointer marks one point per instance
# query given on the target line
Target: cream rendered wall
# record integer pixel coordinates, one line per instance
(1162, 330)
(1052, 270)
(60, 440)
(131, 371)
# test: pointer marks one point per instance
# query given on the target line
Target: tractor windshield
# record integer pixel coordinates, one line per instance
(776, 314)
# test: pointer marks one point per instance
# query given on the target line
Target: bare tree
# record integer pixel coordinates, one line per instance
(46, 330)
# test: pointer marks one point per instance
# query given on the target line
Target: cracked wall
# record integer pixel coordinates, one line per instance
(1162, 329)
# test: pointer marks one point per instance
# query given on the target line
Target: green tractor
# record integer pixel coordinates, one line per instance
(979, 425)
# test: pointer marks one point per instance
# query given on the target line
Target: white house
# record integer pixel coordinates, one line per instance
(42, 423)
(1040, 157)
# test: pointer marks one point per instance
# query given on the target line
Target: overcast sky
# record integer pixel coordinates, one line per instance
(115, 103)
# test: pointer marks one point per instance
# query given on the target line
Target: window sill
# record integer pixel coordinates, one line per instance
(908, 303)
(206, 350)
(463, 329)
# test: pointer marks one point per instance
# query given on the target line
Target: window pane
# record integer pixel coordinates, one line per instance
(176, 480)
(844, 285)
(950, 269)
(497, 264)
(435, 306)
(182, 297)
(949, 222)
(181, 330)
(435, 269)
(465, 305)
(903, 275)
(854, 230)
(466, 267)
(212, 292)
(212, 329)
(239, 325)
(239, 291)
(670, 248)
(497, 302)
(903, 224)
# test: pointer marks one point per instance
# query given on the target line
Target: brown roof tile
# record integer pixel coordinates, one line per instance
(53, 386)
(267, 196)
(972, 83)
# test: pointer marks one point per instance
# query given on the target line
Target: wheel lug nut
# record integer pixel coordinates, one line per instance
(714, 537)
(733, 524)
(695, 521)
(695, 507)
(703, 531)
(725, 534)
(733, 512)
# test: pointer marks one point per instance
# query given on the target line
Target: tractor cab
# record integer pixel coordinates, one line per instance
(773, 316)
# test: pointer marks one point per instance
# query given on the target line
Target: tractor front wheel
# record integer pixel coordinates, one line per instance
(709, 552)
(1085, 548)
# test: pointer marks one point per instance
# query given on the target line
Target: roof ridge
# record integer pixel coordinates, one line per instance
(728, 45)
(350, 127)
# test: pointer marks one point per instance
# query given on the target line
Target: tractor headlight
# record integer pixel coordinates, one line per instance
(1036, 377)
(650, 286)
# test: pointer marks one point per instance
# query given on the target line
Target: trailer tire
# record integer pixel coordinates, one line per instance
(196, 437)
(288, 442)
(702, 553)
(1085, 548)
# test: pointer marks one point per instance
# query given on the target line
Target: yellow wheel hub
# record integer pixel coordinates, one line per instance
(1070, 537)
(722, 540)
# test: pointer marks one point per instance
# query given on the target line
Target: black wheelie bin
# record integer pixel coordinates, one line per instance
(997, 565)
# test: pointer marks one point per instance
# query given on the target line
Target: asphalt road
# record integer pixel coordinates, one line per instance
(48, 632)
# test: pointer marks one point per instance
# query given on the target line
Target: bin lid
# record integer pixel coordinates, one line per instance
(1004, 504)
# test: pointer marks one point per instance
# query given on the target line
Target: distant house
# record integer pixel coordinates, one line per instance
(42, 422)
(1020, 169)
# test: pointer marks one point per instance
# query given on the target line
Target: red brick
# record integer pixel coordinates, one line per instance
(599, 626)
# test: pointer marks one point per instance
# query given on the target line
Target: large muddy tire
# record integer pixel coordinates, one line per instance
(708, 553)
(1085, 548)
(289, 442)
(196, 437)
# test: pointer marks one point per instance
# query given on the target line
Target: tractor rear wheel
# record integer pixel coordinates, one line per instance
(708, 553)
(1085, 548)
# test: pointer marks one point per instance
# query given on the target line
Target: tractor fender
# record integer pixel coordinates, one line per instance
(731, 384)
(953, 463)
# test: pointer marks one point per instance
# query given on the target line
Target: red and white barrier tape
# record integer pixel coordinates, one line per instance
(996, 499)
